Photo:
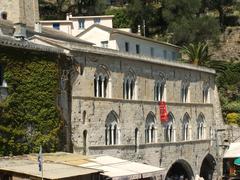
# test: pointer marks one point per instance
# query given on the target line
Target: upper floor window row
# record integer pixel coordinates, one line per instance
(113, 131)
(56, 26)
(81, 23)
(103, 87)
(97, 20)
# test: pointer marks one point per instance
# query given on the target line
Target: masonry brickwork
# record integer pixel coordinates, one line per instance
(89, 113)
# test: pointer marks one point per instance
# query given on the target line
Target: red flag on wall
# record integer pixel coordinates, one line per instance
(163, 111)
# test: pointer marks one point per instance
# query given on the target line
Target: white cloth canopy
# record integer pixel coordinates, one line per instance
(233, 151)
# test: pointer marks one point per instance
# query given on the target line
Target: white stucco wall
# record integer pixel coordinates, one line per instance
(87, 23)
(65, 27)
(97, 35)
(145, 46)
(71, 26)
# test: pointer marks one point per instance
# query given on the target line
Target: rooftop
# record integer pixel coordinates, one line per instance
(28, 165)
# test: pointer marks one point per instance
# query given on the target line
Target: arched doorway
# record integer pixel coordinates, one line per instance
(180, 170)
(207, 167)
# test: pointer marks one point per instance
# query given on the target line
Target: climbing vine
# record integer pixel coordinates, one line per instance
(29, 116)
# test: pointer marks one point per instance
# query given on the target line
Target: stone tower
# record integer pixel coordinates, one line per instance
(21, 11)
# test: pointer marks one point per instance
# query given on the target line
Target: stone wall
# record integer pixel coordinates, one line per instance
(89, 113)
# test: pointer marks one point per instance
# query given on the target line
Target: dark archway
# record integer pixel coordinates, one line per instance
(180, 170)
(208, 167)
(85, 142)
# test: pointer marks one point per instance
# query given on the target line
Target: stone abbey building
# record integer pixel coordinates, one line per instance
(110, 102)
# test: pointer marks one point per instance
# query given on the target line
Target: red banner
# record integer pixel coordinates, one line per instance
(163, 111)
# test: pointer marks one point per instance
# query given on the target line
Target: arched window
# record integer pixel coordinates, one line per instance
(129, 85)
(205, 92)
(101, 82)
(185, 93)
(186, 127)
(170, 129)
(159, 88)
(201, 127)
(150, 129)
(84, 117)
(112, 131)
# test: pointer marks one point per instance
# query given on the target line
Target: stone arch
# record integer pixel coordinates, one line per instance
(112, 131)
(131, 74)
(207, 167)
(129, 85)
(180, 169)
(102, 81)
(150, 128)
(101, 68)
(160, 87)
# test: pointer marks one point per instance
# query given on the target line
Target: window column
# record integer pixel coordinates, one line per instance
(149, 134)
(112, 134)
(102, 86)
(97, 86)
(118, 136)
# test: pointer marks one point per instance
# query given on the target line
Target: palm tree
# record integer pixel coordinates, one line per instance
(197, 53)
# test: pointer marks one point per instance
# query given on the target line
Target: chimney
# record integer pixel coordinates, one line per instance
(20, 31)
(38, 27)
(139, 30)
(68, 16)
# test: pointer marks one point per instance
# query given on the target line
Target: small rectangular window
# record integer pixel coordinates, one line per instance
(126, 46)
(56, 26)
(104, 44)
(137, 49)
(81, 23)
(152, 52)
(165, 54)
(97, 20)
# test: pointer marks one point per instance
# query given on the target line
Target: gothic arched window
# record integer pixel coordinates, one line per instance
(170, 129)
(101, 82)
(159, 88)
(112, 131)
(186, 127)
(150, 129)
(185, 93)
(129, 85)
(205, 92)
(201, 127)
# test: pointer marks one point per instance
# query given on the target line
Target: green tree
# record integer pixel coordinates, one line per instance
(197, 53)
(186, 23)
(120, 19)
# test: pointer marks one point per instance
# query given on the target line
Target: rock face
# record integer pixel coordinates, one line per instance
(229, 48)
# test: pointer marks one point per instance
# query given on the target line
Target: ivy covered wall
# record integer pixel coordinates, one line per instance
(29, 116)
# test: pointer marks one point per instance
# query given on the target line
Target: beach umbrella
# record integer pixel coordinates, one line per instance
(237, 162)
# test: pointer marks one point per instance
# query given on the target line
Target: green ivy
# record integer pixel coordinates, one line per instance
(29, 116)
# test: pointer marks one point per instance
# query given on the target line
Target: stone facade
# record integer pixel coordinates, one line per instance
(21, 11)
(90, 114)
